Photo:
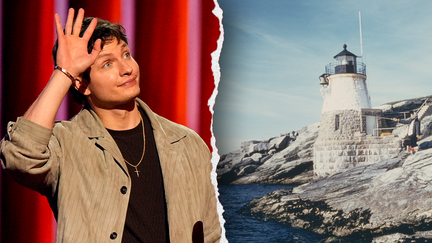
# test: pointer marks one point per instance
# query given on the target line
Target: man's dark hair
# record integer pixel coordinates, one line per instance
(107, 32)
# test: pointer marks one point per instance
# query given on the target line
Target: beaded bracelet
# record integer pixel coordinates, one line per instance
(65, 72)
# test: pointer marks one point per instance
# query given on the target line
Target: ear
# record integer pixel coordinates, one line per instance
(81, 84)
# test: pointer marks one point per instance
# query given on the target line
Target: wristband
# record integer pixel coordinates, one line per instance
(65, 72)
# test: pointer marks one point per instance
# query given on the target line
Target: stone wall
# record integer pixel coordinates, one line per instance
(338, 148)
(338, 155)
(349, 123)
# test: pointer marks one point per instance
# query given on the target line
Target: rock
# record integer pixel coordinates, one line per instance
(271, 151)
(389, 197)
(385, 107)
(285, 159)
(386, 201)
(248, 144)
(399, 237)
(279, 143)
(227, 165)
(403, 105)
(276, 144)
(257, 148)
(410, 104)
(256, 157)
(426, 127)
(280, 157)
(247, 170)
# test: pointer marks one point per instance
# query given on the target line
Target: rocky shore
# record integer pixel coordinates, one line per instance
(388, 201)
(286, 159)
(392, 196)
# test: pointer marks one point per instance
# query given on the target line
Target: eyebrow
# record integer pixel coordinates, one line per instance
(103, 55)
(123, 46)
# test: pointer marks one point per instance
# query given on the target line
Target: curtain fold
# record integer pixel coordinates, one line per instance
(160, 50)
(27, 42)
(209, 34)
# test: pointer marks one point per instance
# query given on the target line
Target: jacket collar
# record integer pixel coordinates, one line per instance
(90, 124)
(166, 135)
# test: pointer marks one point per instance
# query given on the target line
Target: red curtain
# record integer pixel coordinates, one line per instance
(161, 53)
(210, 34)
(160, 49)
(27, 42)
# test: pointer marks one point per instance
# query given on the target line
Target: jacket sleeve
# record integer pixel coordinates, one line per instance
(212, 228)
(405, 121)
(27, 155)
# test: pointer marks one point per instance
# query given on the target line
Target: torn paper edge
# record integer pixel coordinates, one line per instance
(217, 11)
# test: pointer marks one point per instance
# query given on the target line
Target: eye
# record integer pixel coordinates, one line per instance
(127, 55)
(107, 64)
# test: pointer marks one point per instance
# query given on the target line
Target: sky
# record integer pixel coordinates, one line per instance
(275, 50)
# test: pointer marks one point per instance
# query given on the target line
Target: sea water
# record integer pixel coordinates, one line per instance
(240, 228)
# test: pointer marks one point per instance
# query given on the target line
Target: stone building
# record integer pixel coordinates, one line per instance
(351, 132)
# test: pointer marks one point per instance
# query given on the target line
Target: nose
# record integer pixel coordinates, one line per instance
(126, 69)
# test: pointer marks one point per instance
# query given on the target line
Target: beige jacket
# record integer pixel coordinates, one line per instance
(79, 168)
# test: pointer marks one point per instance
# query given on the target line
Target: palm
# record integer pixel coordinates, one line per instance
(72, 53)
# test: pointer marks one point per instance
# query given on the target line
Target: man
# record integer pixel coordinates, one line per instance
(117, 172)
(413, 130)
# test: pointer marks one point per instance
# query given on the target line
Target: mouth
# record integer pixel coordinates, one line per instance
(128, 82)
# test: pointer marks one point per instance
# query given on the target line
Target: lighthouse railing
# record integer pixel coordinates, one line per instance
(331, 69)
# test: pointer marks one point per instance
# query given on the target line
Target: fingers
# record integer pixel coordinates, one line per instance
(59, 28)
(96, 48)
(72, 53)
(89, 31)
(78, 22)
(72, 28)
(97, 45)
(69, 22)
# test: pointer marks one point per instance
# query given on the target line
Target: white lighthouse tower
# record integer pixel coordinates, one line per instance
(349, 133)
(345, 84)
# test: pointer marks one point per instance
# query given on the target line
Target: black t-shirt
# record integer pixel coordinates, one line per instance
(146, 219)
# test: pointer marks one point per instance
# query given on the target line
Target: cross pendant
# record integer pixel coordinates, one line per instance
(137, 171)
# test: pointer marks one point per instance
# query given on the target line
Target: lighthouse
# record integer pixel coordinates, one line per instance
(350, 129)
(344, 83)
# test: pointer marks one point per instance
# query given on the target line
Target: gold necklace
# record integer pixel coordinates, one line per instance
(142, 156)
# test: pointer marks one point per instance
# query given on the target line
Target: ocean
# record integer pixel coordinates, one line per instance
(241, 229)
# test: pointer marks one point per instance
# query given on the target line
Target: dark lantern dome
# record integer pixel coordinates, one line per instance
(345, 52)
(346, 61)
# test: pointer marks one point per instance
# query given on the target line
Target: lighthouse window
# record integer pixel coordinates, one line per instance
(337, 122)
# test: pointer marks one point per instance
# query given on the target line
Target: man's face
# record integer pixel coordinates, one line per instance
(412, 116)
(114, 77)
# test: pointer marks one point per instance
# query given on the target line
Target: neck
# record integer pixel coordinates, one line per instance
(123, 118)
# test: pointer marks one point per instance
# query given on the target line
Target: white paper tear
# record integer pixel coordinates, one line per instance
(217, 11)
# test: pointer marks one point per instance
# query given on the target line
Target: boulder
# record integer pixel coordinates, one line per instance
(256, 157)
(388, 197)
(285, 159)
(276, 144)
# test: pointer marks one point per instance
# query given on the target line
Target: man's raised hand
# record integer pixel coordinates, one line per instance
(72, 54)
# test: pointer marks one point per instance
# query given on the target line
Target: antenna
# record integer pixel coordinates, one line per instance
(361, 39)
